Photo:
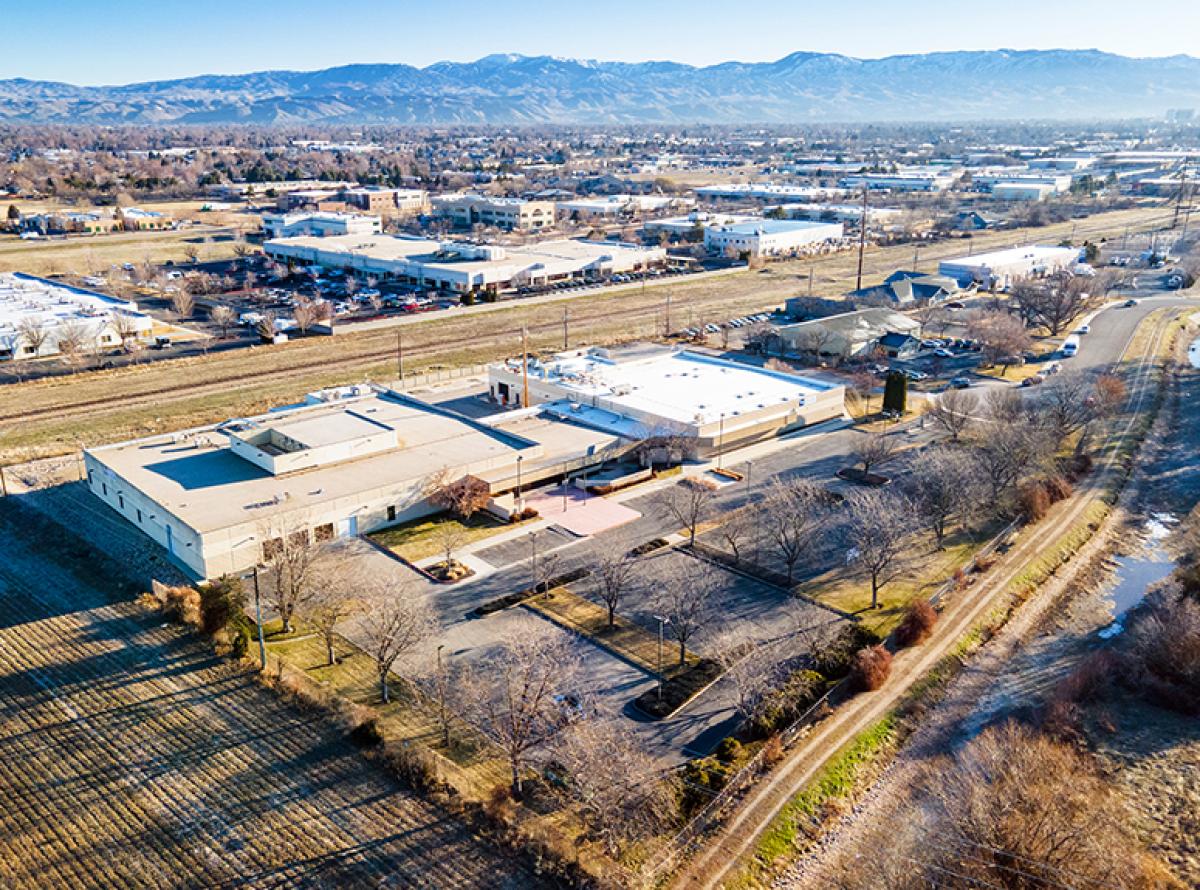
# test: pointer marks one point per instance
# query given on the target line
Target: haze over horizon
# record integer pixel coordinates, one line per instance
(223, 37)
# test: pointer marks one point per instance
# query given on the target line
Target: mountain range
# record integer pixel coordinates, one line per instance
(513, 89)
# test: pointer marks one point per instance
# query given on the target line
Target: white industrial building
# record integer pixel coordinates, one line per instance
(1023, 191)
(615, 206)
(214, 498)
(905, 181)
(461, 267)
(1002, 268)
(843, 213)
(320, 224)
(765, 191)
(37, 316)
(770, 237)
(647, 391)
(696, 220)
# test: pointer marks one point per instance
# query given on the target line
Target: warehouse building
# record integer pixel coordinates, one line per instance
(909, 181)
(843, 213)
(645, 391)
(770, 237)
(320, 224)
(460, 267)
(1003, 268)
(611, 207)
(40, 318)
(695, 222)
(215, 498)
(765, 191)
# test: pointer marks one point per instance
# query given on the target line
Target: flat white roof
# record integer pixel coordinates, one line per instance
(679, 385)
(1011, 255)
(25, 297)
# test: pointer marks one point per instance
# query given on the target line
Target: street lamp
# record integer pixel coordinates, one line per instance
(663, 621)
(749, 469)
(520, 457)
(720, 439)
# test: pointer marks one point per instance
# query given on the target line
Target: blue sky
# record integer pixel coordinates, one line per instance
(120, 41)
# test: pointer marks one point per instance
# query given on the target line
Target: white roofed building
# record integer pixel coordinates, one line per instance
(770, 237)
(320, 224)
(1002, 268)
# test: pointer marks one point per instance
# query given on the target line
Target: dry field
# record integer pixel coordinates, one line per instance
(54, 416)
(131, 757)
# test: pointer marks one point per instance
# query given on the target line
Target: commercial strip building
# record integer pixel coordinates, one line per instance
(770, 237)
(464, 268)
(321, 224)
(37, 317)
(648, 391)
(1002, 268)
(1023, 191)
(232, 191)
(512, 214)
(846, 334)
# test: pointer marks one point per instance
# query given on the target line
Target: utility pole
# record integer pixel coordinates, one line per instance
(667, 320)
(525, 367)
(862, 239)
(1179, 197)
(811, 271)
(262, 643)
(400, 355)
(566, 333)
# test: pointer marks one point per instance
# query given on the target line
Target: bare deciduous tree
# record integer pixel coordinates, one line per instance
(517, 697)
(124, 325)
(953, 411)
(615, 574)
(685, 600)
(875, 450)
(394, 626)
(290, 556)
(71, 339)
(32, 334)
(880, 533)
(337, 595)
(224, 317)
(615, 785)
(182, 301)
(464, 497)
(789, 516)
(688, 502)
(944, 487)
(1002, 337)
(1052, 303)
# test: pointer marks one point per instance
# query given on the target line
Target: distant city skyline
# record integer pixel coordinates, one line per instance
(83, 42)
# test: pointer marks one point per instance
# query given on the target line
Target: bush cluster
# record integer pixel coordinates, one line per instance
(919, 620)
(871, 667)
(785, 705)
(834, 657)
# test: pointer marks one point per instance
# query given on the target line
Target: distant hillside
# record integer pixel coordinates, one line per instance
(510, 89)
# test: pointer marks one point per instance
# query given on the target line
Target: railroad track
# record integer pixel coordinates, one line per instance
(199, 378)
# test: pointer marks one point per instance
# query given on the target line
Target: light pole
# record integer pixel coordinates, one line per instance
(663, 621)
(533, 558)
(262, 643)
(520, 457)
(749, 469)
(442, 698)
(720, 439)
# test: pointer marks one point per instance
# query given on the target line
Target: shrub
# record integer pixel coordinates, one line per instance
(772, 750)
(500, 806)
(870, 668)
(366, 734)
(1033, 500)
(522, 515)
(834, 657)
(221, 602)
(414, 765)
(729, 750)
(919, 620)
(181, 603)
(240, 643)
(1059, 488)
(985, 562)
(785, 706)
(701, 779)
(1166, 654)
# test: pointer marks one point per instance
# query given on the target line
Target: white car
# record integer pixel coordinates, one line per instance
(1083, 329)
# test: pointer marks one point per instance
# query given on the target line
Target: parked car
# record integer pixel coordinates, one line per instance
(916, 375)
(961, 382)
(1033, 380)
(942, 352)
(1083, 329)
(1130, 303)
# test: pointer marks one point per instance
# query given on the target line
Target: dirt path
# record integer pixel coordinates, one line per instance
(1043, 642)
(131, 757)
(723, 855)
